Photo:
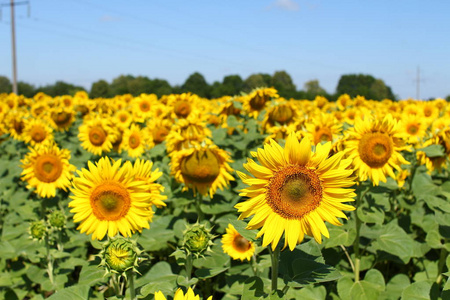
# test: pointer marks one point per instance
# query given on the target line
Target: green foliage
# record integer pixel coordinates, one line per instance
(364, 85)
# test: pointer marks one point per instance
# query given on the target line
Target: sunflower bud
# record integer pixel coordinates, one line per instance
(37, 230)
(57, 219)
(197, 239)
(120, 255)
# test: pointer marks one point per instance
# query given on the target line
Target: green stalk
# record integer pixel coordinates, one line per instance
(115, 283)
(441, 264)
(254, 265)
(275, 258)
(49, 260)
(130, 279)
(198, 202)
(358, 224)
(188, 265)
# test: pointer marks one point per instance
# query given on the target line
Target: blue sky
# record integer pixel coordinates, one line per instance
(82, 41)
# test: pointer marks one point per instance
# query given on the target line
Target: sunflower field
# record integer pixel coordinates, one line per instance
(246, 197)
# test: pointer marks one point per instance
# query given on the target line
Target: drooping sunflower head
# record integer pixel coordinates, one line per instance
(237, 246)
(282, 113)
(37, 131)
(202, 168)
(46, 168)
(257, 100)
(61, 118)
(294, 191)
(185, 133)
(375, 147)
(107, 199)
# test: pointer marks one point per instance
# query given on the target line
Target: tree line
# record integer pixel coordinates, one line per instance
(352, 84)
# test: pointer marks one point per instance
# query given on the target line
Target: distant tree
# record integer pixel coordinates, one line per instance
(230, 86)
(160, 87)
(282, 81)
(447, 98)
(5, 85)
(364, 85)
(26, 89)
(60, 88)
(196, 84)
(119, 85)
(100, 89)
(313, 89)
(139, 85)
(255, 81)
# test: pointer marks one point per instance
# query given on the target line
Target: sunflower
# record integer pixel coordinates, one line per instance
(61, 118)
(374, 146)
(437, 162)
(159, 129)
(142, 107)
(278, 133)
(294, 191)
(257, 100)
(282, 113)
(97, 135)
(107, 200)
(414, 128)
(37, 131)
(186, 132)
(47, 168)
(203, 168)
(123, 118)
(323, 128)
(142, 170)
(135, 140)
(237, 246)
(179, 295)
(182, 105)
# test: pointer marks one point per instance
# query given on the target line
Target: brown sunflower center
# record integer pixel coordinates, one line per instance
(97, 135)
(48, 168)
(323, 135)
(294, 191)
(375, 149)
(182, 109)
(62, 118)
(110, 201)
(144, 106)
(134, 141)
(412, 129)
(123, 118)
(258, 102)
(241, 244)
(18, 126)
(201, 166)
(159, 134)
(38, 134)
(427, 112)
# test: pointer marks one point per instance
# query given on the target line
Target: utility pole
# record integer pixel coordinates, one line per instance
(13, 42)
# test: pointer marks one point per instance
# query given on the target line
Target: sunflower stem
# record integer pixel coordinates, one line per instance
(198, 202)
(254, 265)
(274, 257)
(49, 260)
(188, 265)
(441, 264)
(115, 283)
(130, 279)
(358, 224)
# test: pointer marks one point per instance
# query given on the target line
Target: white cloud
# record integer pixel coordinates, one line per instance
(286, 5)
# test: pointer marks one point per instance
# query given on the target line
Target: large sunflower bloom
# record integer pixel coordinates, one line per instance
(294, 191)
(202, 168)
(36, 132)
(237, 246)
(97, 135)
(47, 168)
(374, 146)
(179, 295)
(107, 199)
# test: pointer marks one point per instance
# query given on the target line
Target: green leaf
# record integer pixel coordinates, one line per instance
(77, 292)
(157, 237)
(344, 286)
(369, 288)
(423, 185)
(240, 225)
(208, 273)
(395, 241)
(446, 290)
(433, 151)
(160, 272)
(91, 275)
(340, 236)
(253, 289)
(309, 292)
(395, 286)
(417, 291)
